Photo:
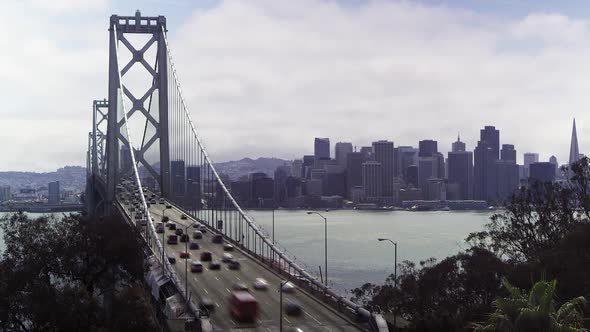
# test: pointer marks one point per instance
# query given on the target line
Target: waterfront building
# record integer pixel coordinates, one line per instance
(372, 181)
(483, 172)
(460, 171)
(383, 154)
(5, 193)
(354, 171)
(54, 196)
(506, 180)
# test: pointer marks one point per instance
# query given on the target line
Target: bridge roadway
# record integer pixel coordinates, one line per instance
(217, 284)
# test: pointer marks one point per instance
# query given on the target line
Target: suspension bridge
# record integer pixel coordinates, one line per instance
(147, 163)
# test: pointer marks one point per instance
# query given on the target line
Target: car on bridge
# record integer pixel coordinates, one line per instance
(226, 257)
(184, 238)
(185, 254)
(171, 226)
(240, 286)
(228, 247)
(206, 256)
(260, 284)
(217, 238)
(203, 228)
(193, 245)
(196, 266)
(234, 264)
(197, 235)
(162, 201)
(171, 259)
(168, 206)
(178, 231)
(160, 228)
(172, 239)
(214, 265)
(183, 216)
(293, 309)
(288, 287)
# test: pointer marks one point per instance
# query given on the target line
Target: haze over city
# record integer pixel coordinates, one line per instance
(355, 71)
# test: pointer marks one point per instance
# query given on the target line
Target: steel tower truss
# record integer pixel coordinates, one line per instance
(154, 27)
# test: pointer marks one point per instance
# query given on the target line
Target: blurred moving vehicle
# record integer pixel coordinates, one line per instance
(243, 306)
(260, 284)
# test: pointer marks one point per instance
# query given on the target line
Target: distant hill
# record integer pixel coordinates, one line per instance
(69, 177)
(243, 167)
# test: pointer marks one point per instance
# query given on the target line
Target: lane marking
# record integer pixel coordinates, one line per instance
(238, 278)
(216, 278)
(228, 290)
(217, 304)
(205, 290)
(232, 321)
(288, 321)
(329, 329)
(307, 313)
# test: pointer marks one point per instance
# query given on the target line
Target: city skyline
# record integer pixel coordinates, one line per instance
(490, 66)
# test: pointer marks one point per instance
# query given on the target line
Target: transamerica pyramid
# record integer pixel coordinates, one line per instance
(574, 151)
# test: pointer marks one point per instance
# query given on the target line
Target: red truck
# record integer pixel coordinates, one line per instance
(243, 306)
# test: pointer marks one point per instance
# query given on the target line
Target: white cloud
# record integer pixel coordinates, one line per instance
(264, 77)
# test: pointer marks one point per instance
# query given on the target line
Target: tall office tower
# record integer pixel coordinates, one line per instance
(5, 193)
(193, 188)
(529, 158)
(574, 151)
(297, 168)
(412, 175)
(262, 191)
(372, 181)
(177, 180)
(334, 181)
(341, 149)
(53, 195)
(542, 172)
(460, 169)
(294, 187)
(407, 156)
(492, 136)
(483, 172)
(427, 148)
(427, 169)
(506, 178)
(321, 148)
(126, 161)
(383, 152)
(439, 159)
(308, 162)
(367, 152)
(354, 171)
(508, 153)
(458, 146)
(280, 179)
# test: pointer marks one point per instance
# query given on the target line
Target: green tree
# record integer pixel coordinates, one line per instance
(534, 311)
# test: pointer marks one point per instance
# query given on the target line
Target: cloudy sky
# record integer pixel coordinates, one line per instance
(264, 77)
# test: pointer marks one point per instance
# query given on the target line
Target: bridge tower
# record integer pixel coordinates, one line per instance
(141, 102)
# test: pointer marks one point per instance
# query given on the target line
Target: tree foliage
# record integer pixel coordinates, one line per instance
(68, 274)
(536, 310)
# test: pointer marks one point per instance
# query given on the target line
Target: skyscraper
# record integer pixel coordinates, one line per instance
(280, 179)
(427, 148)
(372, 182)
(193, 188)
(354, 171)
(383, 152)
(177, 180)
(492, 136)
(458, 146)
(53, 193)
(460, 169)
(528, 159)
(508, 153)
(321, 148)
(341, 149)
(542, 172)
(574, 151)
(483, 172)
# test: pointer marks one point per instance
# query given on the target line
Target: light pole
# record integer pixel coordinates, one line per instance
(325, 245)
(394, 278)
(281, 284)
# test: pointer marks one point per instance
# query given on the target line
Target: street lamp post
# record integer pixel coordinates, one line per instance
(325, 245)
(394, 278)
(281, 284)
(163, 237)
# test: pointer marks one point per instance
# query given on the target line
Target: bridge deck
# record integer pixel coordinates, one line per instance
(216, 285)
